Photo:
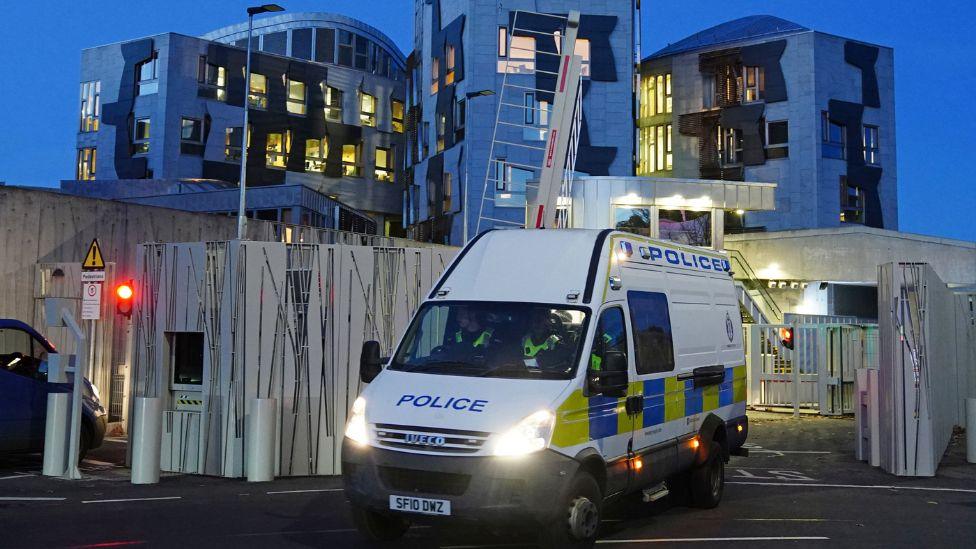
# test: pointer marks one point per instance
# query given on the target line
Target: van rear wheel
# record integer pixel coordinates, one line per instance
(377, 527)
(708, 479)
(578, 518)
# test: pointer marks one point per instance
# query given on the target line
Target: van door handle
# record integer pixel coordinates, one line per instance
(634, 404)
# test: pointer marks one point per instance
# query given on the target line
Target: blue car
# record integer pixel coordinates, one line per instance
(24, 388)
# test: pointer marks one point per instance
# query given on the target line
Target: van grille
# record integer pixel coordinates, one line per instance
(427, 482)
(430, 439)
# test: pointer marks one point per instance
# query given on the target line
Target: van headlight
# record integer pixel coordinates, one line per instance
(356, 426)
(530, 435)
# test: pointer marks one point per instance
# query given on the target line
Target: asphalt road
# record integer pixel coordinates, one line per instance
(800, 486)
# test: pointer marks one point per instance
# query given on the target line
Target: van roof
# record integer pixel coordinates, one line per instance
(527, 265)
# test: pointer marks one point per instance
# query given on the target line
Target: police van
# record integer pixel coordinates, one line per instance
(547, 374)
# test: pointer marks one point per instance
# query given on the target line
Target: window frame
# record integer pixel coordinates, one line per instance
(86, 165)
(828, 147)
(397, 123)
(229, 147)
(845, 204)
(333, 103)
(317, 163)
(274, 156)
(140, 145)
(367, 117)
(354, 168)
(383, 173)
(448, 183)
(597, 339)
(257, 100)
(294, 106)
(449, 64)
(435, 69)
(631, 294)
(758, 88)
(148, 86)
(872, 155)
(782, 150)
(90, 108)
(199, 122)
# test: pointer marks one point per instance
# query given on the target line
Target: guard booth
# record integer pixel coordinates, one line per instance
(219, 324)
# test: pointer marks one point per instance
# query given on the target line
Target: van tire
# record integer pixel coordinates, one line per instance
(84, 442)
(377, 527)
(577, 519)
(708, 479)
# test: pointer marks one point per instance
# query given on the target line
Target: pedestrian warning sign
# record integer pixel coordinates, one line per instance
(93, 259)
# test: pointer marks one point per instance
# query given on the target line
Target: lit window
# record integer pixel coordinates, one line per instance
(213, 77)
(367, 109)
(537, 115)
(257, 98)
(232, 144)
(396, 115)
(851, 202)
(86, 164)
(191, 130)
(316, 151)
(730, 146)
(90, 105)
(661, 89)
(755, 84)
(277, 148)
(647, 99)
(350, 160)
(502, 42)
(147, 82)
(435, 67)
(140, 136)
(448, 192)
(581, 49)
(872, 150)
(296, 97)
(777, 139)
(384, 165)
(834, 137)
(449, 75)
(333, 104)
(441, 129)
(521, 56)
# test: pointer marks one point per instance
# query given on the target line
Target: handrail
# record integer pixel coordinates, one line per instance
(751, 276)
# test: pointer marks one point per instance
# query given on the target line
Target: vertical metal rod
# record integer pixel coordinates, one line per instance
(241, 219)
(796, 377)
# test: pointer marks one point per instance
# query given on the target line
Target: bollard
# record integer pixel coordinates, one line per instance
(147, 434)
(56, 434)
(261, 440)
(971, 430)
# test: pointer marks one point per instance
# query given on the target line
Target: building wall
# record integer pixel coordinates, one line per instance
(180, 94)
(472, 26)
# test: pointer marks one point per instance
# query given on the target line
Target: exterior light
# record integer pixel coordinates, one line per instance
(740, 212)
(265, 8)
(356, 430)
(786, 336)
(695, 443)
(530, 435)
(738, 427)
(123, 298)
(638, 464)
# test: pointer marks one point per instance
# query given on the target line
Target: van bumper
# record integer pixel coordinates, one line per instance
(485, 489)
(737, 437)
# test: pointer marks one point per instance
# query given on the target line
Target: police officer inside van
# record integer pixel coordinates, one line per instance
(470, 334)
(540, 341)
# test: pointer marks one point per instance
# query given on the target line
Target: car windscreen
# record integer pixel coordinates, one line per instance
(494, 339)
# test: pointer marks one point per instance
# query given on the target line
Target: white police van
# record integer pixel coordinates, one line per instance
(549, 373)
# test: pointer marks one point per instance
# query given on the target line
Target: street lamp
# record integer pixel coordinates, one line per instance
(251, 12)
(470, 95)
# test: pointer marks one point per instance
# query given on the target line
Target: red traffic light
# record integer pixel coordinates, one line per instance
(123, 301)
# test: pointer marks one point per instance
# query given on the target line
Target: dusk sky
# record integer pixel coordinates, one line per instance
(41, 43)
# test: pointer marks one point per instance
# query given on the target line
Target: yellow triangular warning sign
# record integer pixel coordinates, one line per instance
(93, 259)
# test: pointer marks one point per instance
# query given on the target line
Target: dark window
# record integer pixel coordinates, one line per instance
(611, 336)
(146, 78)
(345, 48)
(777, 139)
(276, 42)
(529, 109)
(191, 130)
(324, 45)
(652, 331)
(301, 43)
(834, 137)
(362, 53)
(232, 144)
(187, 353)
(851, 202)
(140, 134)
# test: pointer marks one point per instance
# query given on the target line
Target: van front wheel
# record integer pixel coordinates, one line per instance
(378, 527)
(708, 479)
(578, 518)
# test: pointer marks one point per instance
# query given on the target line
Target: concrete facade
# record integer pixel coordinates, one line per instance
(437, 201)
(817, 77)
(180, 91)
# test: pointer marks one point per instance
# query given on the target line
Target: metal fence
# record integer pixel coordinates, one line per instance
(116, 400)
(815, 371)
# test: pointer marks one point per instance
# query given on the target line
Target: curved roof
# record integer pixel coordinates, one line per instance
(304, 20)
(745, 28)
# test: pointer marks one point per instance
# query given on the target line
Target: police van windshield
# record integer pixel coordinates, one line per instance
(491, 339)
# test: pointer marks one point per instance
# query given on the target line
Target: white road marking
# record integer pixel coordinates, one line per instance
(784, 519)
(18, 476)
(15, 498)
(875, 486)
(698, 540)
(99, 463)
(305, 491)
(776, 474)
(130, 499)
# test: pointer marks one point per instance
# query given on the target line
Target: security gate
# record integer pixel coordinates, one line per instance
(813, 369)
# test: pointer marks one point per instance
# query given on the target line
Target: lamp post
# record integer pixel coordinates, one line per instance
(470, 95)
(251, 12)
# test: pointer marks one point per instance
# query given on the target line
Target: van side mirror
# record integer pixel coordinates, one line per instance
(370, 362)
(611, 379)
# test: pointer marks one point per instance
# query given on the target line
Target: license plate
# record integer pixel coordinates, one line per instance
(423, 506)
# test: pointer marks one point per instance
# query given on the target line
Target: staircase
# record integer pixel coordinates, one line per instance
(756, 304)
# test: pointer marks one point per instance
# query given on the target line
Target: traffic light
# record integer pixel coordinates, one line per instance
(123, 298)
(786, 336)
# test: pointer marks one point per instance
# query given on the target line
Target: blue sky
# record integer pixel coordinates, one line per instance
(41, 43)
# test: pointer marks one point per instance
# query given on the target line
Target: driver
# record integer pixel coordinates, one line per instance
(541, 337)
(470, 332)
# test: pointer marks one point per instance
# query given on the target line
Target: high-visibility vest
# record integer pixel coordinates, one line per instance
(530, 349)
(480, 341)
(596, 360)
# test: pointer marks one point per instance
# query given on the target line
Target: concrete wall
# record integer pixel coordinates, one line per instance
(851, 254)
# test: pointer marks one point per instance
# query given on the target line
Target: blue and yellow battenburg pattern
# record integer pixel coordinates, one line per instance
(580, 419)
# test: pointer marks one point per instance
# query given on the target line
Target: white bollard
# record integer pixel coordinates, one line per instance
(56, 434)
(147, 434)
(261, 428)
(971, 430)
